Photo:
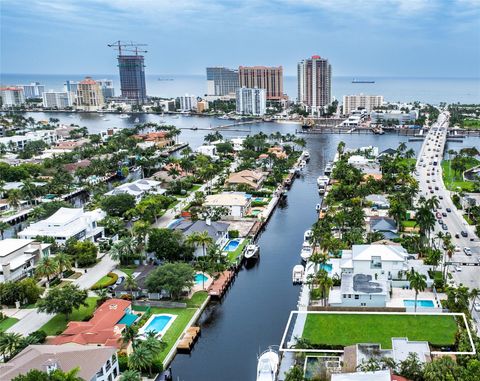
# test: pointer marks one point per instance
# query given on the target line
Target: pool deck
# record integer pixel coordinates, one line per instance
(399, 295)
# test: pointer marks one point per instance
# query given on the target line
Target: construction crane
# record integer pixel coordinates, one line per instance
(127, 46)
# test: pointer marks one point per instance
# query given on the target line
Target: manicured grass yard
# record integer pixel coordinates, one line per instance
(183, 317)
(454, 180)
(409, 224)
(349, 329)
(7, 323)
(58, 323)
(197, 299)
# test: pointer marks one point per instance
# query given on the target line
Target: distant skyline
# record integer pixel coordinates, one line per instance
(411, 38)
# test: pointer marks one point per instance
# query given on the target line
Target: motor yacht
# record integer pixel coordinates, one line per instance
(252, 251)
(267, 366)
(306, 251)
(328, 168)
(297, 274)
(306, 155)
(307, 235)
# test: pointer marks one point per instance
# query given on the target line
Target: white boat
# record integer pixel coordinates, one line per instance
(105, 119)
(306, 251)
(297, 274)
(267, 366)
(318, 207)
(252, 251)
(302, 164)
(306, 155)
(175, 117)
(328, 168)
(123, 116)
(307, 235)
(136, 120)
(100, 115)
(322, 181)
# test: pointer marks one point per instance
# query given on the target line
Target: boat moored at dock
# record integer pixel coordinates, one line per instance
(328, 168)
(298, 273)
(307, 235)
(306, 251)
(267, 366)
(252, 252)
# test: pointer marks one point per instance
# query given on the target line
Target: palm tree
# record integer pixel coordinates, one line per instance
(63, 262)
(199, 238)
(140, 359)
(29, 190)
(9, 344)
(325, 283)
(124, 250)
(4, 226)
(474, 293)
(14, 198)
(153, 346)
(102, 294)
(131, 375)
(130, 283)
(129, 334)
(418, 282)
(46, 267)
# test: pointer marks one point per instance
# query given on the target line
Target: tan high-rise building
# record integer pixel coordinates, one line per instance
(89, 95)
(361, 102)
(314, 83)
(263, 77)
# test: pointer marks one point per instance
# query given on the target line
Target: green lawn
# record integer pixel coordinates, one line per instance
(58, 323)
(233, 255)
(128, 270)
(104, 282)
(7, 323)
(173, 333)
(197, 299)
(409, 224)
(471, 123)
(453, 180)
(349, 329)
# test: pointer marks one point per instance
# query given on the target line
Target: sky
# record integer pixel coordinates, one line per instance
(405, 38)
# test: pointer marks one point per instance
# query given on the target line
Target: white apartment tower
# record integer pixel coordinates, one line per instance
(314, 83)
(361, 101)
(251, 101)
(57, 99)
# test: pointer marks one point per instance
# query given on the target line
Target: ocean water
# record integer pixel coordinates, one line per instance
(431, 90)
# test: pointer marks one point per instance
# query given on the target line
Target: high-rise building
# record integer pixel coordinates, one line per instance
(361, 101)
(12, 96)
(57, 99)
(251, 101)
(106, 85)
(188, 102)
(33, 90)
(222, 81)
(132, 78)
(71, 87)
(263, 77)
(314, 83)
(89, 95)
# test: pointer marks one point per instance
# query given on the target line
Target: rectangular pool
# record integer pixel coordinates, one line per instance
(158, 323)
(232, 245)
(420, 303)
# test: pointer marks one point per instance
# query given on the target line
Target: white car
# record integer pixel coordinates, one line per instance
(457, 248)
(458, 269)
(476, 306)
(467, 251)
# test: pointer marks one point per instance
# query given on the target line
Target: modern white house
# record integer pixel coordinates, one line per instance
(208, 150)
(236, 203)
(18, 142)
(237, 144)
(95, 363)
(18, 257)
(378, 201)
(68, 223)
(138, 188)
(358, 160)
(360, 290)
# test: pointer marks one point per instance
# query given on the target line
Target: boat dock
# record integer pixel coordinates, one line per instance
(220, 285)
(188, 339)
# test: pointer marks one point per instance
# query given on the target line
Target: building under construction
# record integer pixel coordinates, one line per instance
(132, 71)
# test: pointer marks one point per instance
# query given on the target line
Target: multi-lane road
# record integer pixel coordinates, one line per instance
(429, 176)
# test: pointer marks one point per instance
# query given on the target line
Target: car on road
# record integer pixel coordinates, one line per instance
(467, 251)
(436, 188)
(457, 248)
(449, 210)
(464, 233)
(438, 215)
(444, 227)
(119, 280)
(448, 234)
(444, 214)
(440, 197)
(476, 306)
(458, 268)
(457, 235)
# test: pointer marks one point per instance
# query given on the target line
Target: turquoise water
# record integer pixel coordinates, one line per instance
(232, 245)
(128, 319)
(420, 303)
(328, 267)
(158, 323)
(200, 278)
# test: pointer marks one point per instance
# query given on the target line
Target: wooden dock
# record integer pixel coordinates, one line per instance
(188, 339)
(220, 285)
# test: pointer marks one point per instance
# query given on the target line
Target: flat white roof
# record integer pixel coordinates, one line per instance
(380, 375)
(226, 199)
(9, 245)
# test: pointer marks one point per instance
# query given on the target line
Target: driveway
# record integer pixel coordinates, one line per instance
(31, 322)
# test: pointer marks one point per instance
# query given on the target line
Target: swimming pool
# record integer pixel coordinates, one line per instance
(420, 303)
(200, 278)
(159, 323)
(128, 319)
(327, 267)
(232, 245)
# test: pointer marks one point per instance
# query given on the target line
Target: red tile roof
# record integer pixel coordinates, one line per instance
(102, 328)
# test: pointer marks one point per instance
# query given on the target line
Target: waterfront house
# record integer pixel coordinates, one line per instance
(70, 145)
(218, 231)
(208, 150)
(104, 328)
(18, 257)
(67, 223)
(73, 167)
(160, 138)
(384, 225)
(17, 143)
(140, 275)
(94, 363)
(236, 203)
(247, 177)
(378, 201)
(138, 188)
(278, 152)
(360, 290)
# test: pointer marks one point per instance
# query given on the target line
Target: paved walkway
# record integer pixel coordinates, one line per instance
(30, 322)
(96, 272)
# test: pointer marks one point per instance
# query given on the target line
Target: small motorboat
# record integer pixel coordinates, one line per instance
(252, 251)
(328, 168)
(307, 235)
(136, 120)
(267, 366)
(322, 180)
(124, 116)
(297, 274)
(306, 251)
(287, 182)
(105, 119)
(318, 207)
(306, 155)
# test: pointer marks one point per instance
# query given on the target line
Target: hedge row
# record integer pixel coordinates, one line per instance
(113, 278)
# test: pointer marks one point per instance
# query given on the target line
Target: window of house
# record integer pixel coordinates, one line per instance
(357, 296)
(376, 263)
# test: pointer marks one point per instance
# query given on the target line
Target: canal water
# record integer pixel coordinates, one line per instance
(254, 312)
